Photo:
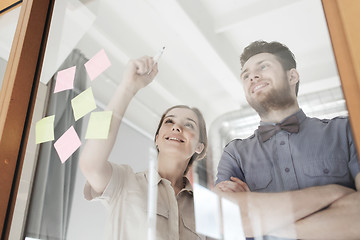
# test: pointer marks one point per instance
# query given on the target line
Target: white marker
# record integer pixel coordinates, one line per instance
(156, 58)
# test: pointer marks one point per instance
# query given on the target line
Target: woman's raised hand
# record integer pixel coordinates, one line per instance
(139, 73)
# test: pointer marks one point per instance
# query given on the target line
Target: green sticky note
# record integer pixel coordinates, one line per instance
(99, 125)
(44, 130)
(83, 103)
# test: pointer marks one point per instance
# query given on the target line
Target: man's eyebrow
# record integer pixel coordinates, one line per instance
(242, 73)
(257, 64)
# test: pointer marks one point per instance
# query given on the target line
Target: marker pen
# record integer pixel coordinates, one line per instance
(156, 58)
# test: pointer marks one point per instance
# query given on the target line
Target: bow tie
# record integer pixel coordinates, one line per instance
(290, 124)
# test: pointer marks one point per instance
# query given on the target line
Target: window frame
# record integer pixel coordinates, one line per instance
(7, 5)
(17, 98)
(19, 89)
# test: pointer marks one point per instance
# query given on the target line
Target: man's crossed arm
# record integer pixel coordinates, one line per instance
(322, 212)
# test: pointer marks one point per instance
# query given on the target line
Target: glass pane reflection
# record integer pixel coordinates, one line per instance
(79, 30)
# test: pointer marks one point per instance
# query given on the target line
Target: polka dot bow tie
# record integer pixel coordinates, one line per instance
(290, 124)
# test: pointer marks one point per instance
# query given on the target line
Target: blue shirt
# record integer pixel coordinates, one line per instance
(322, 152)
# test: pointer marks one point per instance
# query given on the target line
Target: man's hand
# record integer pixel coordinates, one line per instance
(357, 182)
(339, 220)
(234, 185)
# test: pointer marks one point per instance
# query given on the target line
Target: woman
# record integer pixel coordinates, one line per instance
(180, 139)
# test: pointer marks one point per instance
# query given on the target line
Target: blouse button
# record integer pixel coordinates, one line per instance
(326, 171)
(282, 143)
(287, 170)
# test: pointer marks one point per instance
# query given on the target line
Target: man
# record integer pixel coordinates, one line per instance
(289, 151)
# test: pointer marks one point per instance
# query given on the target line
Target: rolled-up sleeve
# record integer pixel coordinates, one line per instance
(354, 164)
(229, 165)
(114, 187)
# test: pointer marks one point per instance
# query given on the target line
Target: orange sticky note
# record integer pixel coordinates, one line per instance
(65, 79)
(97, 64)
(67, 144)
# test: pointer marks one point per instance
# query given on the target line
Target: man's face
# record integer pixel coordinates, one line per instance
(266, 85)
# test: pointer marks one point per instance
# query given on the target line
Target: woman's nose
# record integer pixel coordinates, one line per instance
(176, 128)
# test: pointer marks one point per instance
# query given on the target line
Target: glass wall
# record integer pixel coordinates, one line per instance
(77, 151)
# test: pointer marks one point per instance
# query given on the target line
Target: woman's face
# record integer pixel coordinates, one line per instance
(179, 133)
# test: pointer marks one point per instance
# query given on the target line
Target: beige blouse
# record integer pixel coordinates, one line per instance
(126, 198)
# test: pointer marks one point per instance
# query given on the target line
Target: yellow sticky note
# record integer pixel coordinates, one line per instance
(44, 130)
(99, 125)
(83, 103)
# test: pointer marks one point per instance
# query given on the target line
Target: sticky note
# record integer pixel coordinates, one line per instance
(67, 144)
(207, 212)
(99, 125)
(83, 103)
(232, 225)
(97, 64)
(65, 79)
(44, 130)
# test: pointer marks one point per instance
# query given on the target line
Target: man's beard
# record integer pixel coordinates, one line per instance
(275, 99)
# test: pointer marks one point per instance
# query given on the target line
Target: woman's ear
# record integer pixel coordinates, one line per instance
(199, 148)
(156, 139)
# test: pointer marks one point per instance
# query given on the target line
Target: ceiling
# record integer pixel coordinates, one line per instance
(203, 41)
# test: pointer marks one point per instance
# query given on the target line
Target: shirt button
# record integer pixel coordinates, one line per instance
(282, 143)
(326, 171)
(287, 170)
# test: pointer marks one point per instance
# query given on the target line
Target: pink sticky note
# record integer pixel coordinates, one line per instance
(65, 79)
(67, 144)
(97, 64)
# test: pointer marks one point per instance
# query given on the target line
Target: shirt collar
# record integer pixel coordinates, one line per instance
(157, 176)
(188, 186)
(299, 114)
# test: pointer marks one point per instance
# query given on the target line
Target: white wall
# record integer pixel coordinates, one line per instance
(87, 219)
